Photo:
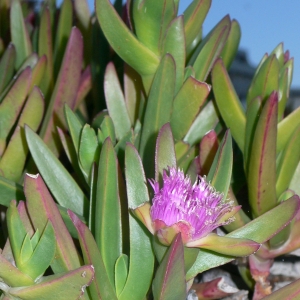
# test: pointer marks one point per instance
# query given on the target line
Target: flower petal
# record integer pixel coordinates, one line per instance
(142, 212)
(167, 234)
(227, 217)
(226, 245)
(199, 205)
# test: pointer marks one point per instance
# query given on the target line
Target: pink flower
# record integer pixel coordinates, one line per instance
(199, 206)
(195, 211)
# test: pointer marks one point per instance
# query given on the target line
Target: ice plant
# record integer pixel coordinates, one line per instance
(194, 210)
(163, 120)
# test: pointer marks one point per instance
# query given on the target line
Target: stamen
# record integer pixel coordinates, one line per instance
(198, 204)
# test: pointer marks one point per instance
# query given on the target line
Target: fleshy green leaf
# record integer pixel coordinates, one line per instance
(84, 20)
(121, 145)
(13, 160)
(252, 117)
(19, 33)
(174, 43)
(26, 252)
(108, 226)
(85, 85)
(23, 213)
(9, 190)
(12, 104)
(45, 48)
(194, 17)
(281, 237)
(35, 238)
(158, 110)
(89, 150)
(115, 102)
(132, 92)
(38, 72)
(185, 161)
(16, 231)
(226, 245)
(279, 53)
(208, 150)
(220, 172)
(68, 222)
(12, 275)
(231, 47)
(42, 208)
(70, 285)
(151, 19)
(121, 273)
(74, 126)
(288, 163)
(262, 163)
(42, 254)
(62, 33)
(63, 187)
(290, 66)
(190, 254)
(285, 211)
(204, 122)
(228, 103)
(187, 104)
(141, 263)
(65, 88)
(193, 169)
(272, 221)
(165, 151)
(169, 281)
(283, 92)
(265, 81)
(93, 189)
(107, 129)
(295, 182)
(132, 51)
(181, 148)
(209, 49)
(7, 64)
(31, 62)
(101, 287)
(286, 128)
(71, 154)
(189, 72)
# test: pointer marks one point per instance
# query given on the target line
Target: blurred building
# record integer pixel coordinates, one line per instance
(241, 74)
(294, 100)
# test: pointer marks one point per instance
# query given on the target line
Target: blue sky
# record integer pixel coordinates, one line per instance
(264, 24)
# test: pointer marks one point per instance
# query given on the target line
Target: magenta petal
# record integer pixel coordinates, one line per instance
(142, 212)
(166, 234)
(198, 205)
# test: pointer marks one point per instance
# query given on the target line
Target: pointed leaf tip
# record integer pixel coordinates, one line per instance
(164, 151)
(169, 281)
(226, 245)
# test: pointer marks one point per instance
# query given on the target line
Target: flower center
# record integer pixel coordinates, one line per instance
(199, 205)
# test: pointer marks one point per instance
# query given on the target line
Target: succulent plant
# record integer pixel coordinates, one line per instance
(194, 211)
(270, 148)
(118, 133)
(38, 238)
